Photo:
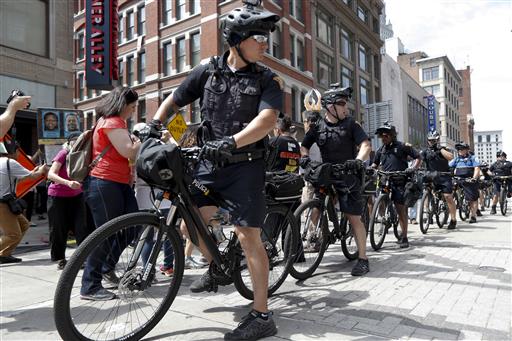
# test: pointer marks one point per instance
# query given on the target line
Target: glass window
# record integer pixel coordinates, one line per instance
(129, 71)
(81, 86)
(296, 9)
(362, 58)
(295, 111)
(346, 45)
(300, 55)
(488, 138)
(130, 30)
(167, 59)
(302, 107)
(324, 27)
(120, 71)
(361, 13)
(292, 50)
(276, 43)
(346, 76)
(363, 89)
(25, 27)
(141, 72)
(195, 48)
(167, 11)
(324, 68)
(434, 90)
(120, 29)
(431, 73)
(81, 45)
(180, 55)
(194, 6)
(141, 20)
(141, 111)
(180, 9)
(412, 61)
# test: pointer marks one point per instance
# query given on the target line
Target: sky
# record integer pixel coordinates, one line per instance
(477, 33)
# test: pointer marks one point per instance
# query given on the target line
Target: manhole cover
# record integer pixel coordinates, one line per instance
(491, 268)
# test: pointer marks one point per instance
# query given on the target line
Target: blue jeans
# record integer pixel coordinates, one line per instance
(107, 200)
(148, 245)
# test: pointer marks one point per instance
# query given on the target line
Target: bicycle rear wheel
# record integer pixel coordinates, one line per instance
(443, 212)
(280, 235)
(503, 200)
(380, 221)
(140, 301)
(464, 211)
(426, 212)
(313, 241)
(348, 241)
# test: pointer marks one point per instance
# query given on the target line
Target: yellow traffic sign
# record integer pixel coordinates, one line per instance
(177, 126)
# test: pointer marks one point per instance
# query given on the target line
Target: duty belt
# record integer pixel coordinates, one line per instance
(248, 156)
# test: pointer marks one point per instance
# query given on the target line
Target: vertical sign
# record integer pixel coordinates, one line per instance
(431, 107)
(100, 43)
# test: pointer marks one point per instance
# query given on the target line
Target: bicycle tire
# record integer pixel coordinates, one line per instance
(298, 271)
(381, 200)
(464, 210)
(487, 198)
(291, 238)
(503, 200)
(62, 313)
(425, 215)
(350, 237)
(442, 210)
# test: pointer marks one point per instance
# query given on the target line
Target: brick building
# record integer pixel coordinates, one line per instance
(467, 123)
(316, 43)
(36, 53)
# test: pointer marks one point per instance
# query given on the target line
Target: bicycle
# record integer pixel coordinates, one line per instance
(503, 192)
(460, 199)
(316, 234)
(433, 203)
(486, 187)
(141, 302)
(384, 212)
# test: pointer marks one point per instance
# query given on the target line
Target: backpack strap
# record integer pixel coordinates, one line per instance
(9, 176)
(98, 158)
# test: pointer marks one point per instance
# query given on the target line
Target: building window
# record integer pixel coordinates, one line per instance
(81, 45)
(324, 68)
(89, 93)
(141, 72)
(121, 72)
(194, 6)
(296, 9)
(195, 49)
(376, 26)
(167, 59)
(292, 50)
(346, 45)
(300, 55)
(433, 89)
(141, 111)
(488, 138)
(81, 86)
(324, 27)
(431, 73)
(361, 13)
(302, 107)
(131, 25)
(141, 21)
(346, 76)
(129, 71)
(89, 116)
(120, 29)
(25, 27)
(295, 112)
(180, 9)
(412, 61)
(180, 55)
(362, 58)
(167, 11)
(276, 43)
(363, 90)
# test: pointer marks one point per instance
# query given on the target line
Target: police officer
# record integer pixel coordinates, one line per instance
(485, 179)
(501, 167)
(392, 156)
(287, 147)
(436, 158)
(240, 100)
(338, 136)
(467, 166)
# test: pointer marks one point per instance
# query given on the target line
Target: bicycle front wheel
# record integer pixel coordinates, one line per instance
(348, 241)
(127, 247)
(280, 236)
(503, 200)
(464, 209)
(426, 212)
(443, 212)
(313, 240)
(380, 221)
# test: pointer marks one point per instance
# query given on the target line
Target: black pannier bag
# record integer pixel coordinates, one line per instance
(319, 174)
(413, 192)
(283, 185)
(159, 164)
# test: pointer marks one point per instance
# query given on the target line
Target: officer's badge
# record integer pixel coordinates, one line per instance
(279, 81)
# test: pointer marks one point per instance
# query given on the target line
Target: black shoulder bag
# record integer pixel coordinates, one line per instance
(16, 206)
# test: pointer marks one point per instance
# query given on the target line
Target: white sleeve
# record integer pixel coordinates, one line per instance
(17, 170)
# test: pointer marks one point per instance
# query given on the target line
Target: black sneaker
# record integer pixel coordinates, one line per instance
(478, 213)
(362, 267)
(9, 259)
(204, 283)
(253, 327)
(482, 209)
(110, 280)
(472, 220)
(61, 264)
(452, 224)
(404, 243)
(493, 210)
(100, 295)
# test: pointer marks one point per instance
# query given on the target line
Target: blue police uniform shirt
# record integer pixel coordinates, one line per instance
(464, 165)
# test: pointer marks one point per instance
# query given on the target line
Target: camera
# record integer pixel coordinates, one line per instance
(14, 93)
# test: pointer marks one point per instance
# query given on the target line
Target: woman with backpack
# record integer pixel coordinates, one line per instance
(109, 192)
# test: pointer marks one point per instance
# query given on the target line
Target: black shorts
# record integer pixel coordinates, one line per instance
(471, 190)
(398, 192)
(444, 183)
(497, 186)
(353, 202)
(241, 185)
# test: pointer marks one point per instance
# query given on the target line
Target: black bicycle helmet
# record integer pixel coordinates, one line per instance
(335, 94)
(386, 128)
(461, 145)
(433, 135)
(246, 21)
(501, 153)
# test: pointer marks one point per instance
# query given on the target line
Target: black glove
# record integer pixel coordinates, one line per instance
(155, 127)
(410, 171)
(354, 164)
(219, 149)
(304, 161)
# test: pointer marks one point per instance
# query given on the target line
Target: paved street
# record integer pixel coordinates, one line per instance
(449, 285)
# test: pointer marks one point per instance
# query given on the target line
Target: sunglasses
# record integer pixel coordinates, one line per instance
(384, 135)
(260, 38)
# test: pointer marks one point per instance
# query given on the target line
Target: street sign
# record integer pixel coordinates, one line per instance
(431, 109)
(177, 126)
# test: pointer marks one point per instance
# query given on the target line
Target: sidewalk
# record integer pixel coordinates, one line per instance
(449, 285)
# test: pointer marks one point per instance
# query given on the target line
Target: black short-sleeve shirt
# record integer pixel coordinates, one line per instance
(393, 157)
(337, 141)
(501, 168)
(288, 154)
(434, 160)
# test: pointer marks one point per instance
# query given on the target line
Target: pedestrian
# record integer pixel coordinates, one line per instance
(66, 206)
(109, 186)
(13, 225)
(310, 117)
(240, 100)
(7, 117)
(501, 167)
(287, 147)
